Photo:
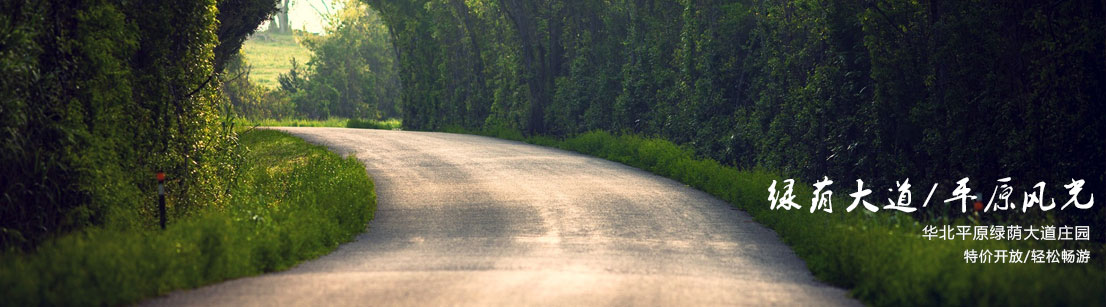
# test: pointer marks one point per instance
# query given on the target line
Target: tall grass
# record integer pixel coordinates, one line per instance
(386, 124)
(881, 256)
(292, 122)
(295, 201)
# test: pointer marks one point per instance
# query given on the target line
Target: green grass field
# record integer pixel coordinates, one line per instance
(293, 201)
(270, 55)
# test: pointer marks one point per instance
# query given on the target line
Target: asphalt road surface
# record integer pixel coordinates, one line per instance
(469, 220)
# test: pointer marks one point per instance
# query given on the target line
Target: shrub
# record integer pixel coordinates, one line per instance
(295, 201)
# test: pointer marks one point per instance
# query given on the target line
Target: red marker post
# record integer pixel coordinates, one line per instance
(161, 197)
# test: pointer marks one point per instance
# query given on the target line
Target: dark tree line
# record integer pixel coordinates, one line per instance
(95, 96)
(880, 90)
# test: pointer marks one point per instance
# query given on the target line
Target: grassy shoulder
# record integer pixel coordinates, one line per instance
(386, 124)
(881, 257)
(294, 201)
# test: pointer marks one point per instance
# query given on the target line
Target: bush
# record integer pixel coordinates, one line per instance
(294, 201)
(387, 124)
(96, 97)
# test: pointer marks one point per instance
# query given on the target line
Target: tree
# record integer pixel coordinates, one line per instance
(98, 96)
(880, 90)
(238, 19)
(278, 21)
(351, 72)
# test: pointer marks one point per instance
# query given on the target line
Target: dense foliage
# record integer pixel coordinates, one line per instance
(352, 69)
(883, 90)
(293, 201)
(351, 74)
(238, 19)
(95, 96)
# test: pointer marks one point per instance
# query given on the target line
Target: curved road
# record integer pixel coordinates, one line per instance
(469, 220)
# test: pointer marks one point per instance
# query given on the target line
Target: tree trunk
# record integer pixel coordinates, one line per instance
(465, 15)
(522, 16)
(285, 26)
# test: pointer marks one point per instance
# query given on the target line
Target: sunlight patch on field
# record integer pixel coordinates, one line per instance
(270, 55)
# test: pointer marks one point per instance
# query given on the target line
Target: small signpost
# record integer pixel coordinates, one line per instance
(161, 197)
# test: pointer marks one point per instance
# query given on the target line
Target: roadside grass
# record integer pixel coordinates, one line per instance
(270, 55)
(293, 201)
(881, 257)
(386, 124)
(292, 122)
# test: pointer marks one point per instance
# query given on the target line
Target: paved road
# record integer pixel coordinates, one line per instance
(468, 220)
